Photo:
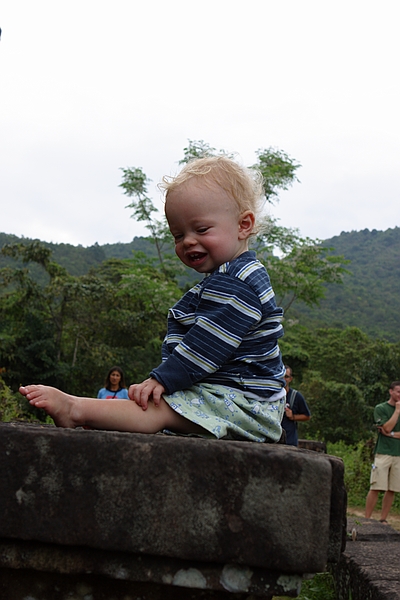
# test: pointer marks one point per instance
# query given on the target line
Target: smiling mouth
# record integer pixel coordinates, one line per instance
(196, 257)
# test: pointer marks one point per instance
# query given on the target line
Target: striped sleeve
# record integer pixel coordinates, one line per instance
(206, 337)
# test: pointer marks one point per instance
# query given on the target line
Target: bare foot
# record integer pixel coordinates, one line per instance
(63, 408)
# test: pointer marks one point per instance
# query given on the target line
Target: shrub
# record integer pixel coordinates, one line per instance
(320, 587)
(338, 411)
(14, 407)
(357, 469)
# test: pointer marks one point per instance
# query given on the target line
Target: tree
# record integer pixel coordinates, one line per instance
(29, 325)
(343, 374)
(299, 267)
(134, 183)
(278, 170)
(339, 411)
(200, 149)
(303, 267)
(69, 331)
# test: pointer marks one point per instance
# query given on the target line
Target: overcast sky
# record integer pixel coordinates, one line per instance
(88, 87)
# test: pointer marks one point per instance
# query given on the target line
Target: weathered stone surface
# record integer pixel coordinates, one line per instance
(338, 519)
(369, 567)
(23, 562)
(313, 445)
(32, 585)
(258, 505)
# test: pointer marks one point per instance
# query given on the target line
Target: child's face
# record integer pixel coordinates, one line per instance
(206, 226)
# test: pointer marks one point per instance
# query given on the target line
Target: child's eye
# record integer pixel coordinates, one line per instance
(178, 237)
(202, 230)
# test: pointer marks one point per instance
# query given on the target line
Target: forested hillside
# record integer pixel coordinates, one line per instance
(68, 330)
(77, 259)
(369, 297)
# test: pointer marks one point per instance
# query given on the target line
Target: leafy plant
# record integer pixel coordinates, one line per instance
(357, 461)
(67, 332)
(320, 587)
(14, 407)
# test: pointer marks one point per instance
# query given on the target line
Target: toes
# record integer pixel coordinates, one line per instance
(29, 391)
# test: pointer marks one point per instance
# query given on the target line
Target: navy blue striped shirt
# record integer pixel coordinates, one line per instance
(225, 331)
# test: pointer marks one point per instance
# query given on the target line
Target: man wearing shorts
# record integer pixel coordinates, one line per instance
(385, 473)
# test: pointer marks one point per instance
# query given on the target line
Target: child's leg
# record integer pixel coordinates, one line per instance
(113, 415)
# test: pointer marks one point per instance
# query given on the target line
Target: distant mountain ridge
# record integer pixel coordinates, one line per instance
(369, 297)
(79, 259)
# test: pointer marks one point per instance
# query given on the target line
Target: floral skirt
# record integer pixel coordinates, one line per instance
(229, 413)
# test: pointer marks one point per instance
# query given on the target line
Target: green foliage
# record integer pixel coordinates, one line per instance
(134, 184)
(278, 170)
(76, 259)
(27, 327)
(14, 407)
(368, 299)
(199, 149)
(343, 374)
(303, 268)
(121, 320)
(10, 405)
(336, 354)
(65, 327)
(338, 410)
(320, 587)
(357, 461)
(68, 332)
(370, 295)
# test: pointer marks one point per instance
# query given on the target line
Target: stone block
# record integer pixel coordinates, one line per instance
(48, 571)
(368, 568)
(312, 445)
(260, 505)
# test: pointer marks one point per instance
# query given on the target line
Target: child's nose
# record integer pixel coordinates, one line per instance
(189, 240)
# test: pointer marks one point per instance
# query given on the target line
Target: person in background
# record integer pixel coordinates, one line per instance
(114, 386)
(385, 472)
(296, 410)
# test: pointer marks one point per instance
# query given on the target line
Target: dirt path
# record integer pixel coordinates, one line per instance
(393, 519)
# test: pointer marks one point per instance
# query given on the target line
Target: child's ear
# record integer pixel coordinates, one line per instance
(246, 224)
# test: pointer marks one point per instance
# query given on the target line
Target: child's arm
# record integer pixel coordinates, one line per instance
(223, 318)
(141, 393)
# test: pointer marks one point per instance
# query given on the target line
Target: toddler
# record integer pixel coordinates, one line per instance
(221, 374)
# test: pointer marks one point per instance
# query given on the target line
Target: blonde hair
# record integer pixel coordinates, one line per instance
(243, 185)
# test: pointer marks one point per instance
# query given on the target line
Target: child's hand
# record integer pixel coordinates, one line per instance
(149, 389)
